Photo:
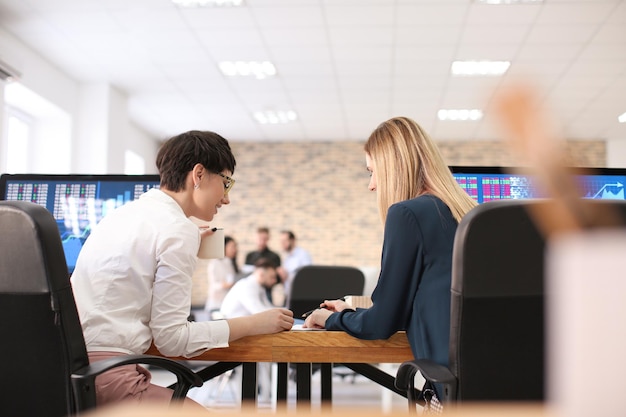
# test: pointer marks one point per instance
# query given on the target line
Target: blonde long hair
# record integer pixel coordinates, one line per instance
(408, 164)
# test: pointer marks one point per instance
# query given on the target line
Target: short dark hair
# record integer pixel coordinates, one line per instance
(263, 229)
(289, 233)
(178, 155)
(263, 262)
(228, 239)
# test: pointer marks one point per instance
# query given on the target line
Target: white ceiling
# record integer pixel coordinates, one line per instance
(343, 65)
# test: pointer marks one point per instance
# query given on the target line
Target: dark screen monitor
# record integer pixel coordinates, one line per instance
(499, 183)
(77, 202)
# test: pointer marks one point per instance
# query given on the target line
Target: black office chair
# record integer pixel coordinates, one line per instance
(45, 367)
(497, 309)
(313, 284)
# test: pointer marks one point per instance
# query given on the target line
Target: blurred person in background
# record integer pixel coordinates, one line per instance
(262, 250)
(222, 275)
(248, 295)
(294, 258)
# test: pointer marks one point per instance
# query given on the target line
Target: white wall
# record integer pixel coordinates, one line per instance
(122, 129)
(37, 74)
(92, 130)
(616, 153)
(3, 145)
(51, 135)
(101, 129)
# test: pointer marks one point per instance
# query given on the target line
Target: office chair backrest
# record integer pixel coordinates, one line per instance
(42, 338)
(497, 314)
(497, 310)
(313, 284)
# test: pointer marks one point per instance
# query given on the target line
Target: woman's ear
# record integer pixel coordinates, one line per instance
(197, 172)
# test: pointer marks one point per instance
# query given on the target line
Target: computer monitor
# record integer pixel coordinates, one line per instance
(498, 183)
(77, 202)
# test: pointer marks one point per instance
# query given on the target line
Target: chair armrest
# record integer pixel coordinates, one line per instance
(431, 371)
(83, 380)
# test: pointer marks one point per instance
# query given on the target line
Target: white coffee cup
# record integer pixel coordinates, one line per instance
(212, 246)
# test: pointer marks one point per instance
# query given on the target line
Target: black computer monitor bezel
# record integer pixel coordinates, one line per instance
(4, 178)
(492, 169)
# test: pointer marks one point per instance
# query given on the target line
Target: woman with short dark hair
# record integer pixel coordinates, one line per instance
(133, 277)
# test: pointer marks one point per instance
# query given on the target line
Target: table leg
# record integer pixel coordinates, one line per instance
(249, 386)
(327, 385)
(380, 377)
(216, 369)
(303, 385)
(282, 378)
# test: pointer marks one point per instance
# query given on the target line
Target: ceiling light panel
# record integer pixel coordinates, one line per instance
(460, 115)
(208, 3)
(622, 118)
(479, 68)
(274, 117)
(504, 2)
(257, 69)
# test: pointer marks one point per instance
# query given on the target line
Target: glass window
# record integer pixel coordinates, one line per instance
(18, 142)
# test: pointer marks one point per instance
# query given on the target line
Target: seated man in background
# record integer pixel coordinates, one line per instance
(262, 250)
(249, 295)
(295, 257)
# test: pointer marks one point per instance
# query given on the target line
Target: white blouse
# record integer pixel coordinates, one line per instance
(133, 280)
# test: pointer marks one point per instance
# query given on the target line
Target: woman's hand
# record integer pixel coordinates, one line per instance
(207, 231)
(335, 305)
(317, 319)
(273, 321)
(269, 321)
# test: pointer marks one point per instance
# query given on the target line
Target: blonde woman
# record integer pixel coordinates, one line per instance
(420, 205)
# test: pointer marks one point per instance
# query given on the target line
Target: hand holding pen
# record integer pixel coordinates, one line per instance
(333, 306)
(316, 319)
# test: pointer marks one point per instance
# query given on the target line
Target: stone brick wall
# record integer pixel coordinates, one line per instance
(319, 190)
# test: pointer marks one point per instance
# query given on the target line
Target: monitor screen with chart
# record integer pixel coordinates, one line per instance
(500, 183)
(77, 202)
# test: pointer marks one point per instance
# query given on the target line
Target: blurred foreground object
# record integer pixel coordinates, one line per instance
(586, 332)
(585, 263)
(531, 136)
(466, 410)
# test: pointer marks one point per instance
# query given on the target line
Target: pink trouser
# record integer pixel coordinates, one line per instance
(126, 383)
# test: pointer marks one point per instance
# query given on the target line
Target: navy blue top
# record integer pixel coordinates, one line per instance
(413, 289)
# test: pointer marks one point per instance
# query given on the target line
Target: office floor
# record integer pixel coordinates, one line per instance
(223, 393)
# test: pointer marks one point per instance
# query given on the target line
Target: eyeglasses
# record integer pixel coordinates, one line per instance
(228, 183)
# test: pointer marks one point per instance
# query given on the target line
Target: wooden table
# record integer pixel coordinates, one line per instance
(304, 348)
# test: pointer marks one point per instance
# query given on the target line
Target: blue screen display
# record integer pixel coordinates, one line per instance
(497, 183)
(77, 202)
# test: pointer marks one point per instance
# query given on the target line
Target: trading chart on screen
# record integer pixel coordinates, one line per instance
(77, 202)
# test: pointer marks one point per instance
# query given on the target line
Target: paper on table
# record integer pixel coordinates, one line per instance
(298, 327)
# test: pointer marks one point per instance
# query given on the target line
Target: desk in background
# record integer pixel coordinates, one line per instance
(304, 348)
